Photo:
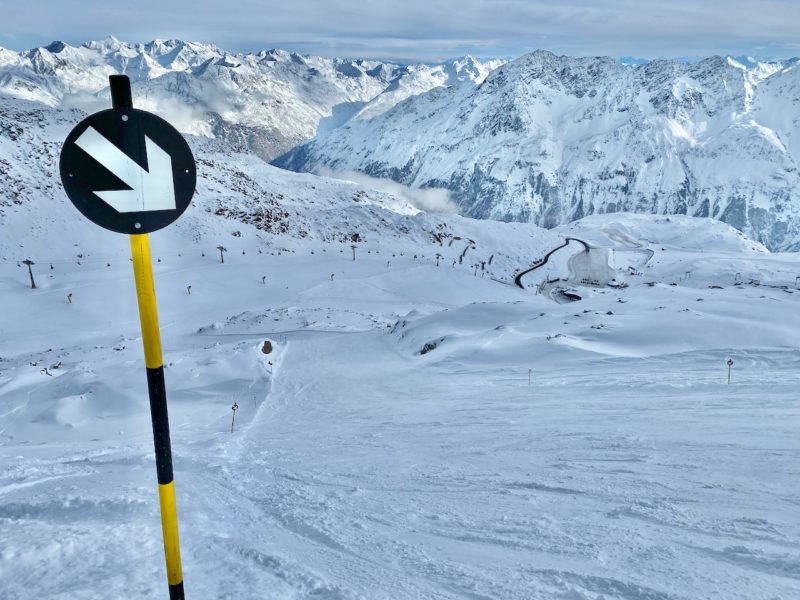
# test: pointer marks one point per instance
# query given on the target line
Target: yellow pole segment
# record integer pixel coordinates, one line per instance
(169, 526)
(146, 294)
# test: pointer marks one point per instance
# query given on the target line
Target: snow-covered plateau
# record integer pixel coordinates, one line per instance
(422, 427)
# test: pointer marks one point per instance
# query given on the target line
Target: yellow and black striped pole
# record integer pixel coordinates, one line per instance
(148, 314)
(151, 339)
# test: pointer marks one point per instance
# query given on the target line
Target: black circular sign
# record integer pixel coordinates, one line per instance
(128, 170)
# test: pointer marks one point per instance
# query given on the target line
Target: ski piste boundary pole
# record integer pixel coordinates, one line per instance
(154, 362)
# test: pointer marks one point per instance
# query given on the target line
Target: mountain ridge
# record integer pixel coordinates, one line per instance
(265, 102)
(549, 139)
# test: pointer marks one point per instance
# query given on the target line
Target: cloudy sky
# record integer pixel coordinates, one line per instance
(423, 29)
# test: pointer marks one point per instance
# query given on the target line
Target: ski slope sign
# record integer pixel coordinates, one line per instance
(128, 170)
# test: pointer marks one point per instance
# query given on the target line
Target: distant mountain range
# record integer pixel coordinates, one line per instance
(544, 138)
(267, 102)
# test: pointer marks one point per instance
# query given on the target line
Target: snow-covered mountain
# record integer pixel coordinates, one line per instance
(240, 199)
(550, 139)
(265, 102)
(545, 139)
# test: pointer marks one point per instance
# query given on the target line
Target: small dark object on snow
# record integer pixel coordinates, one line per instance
(234, 408)
(29, 262)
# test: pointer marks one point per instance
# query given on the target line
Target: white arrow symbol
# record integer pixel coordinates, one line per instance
(150, 190)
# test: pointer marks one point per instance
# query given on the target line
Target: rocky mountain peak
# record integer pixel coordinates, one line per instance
(550, 139)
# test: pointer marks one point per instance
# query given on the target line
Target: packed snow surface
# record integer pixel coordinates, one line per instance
(391, 446)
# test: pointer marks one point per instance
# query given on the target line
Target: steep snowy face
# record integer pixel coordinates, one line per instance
(417, 79)
(550, 139)
(265, 102)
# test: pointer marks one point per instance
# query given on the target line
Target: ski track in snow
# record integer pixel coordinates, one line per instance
(441, 511)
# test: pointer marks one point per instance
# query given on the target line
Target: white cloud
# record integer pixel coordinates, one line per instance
(185, 118)
(432, 200)
(424, 30)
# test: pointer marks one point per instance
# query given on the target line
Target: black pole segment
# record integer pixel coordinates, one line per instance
(158, 412)
(120, 91)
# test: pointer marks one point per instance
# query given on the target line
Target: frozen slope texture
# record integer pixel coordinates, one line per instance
(549, 139)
